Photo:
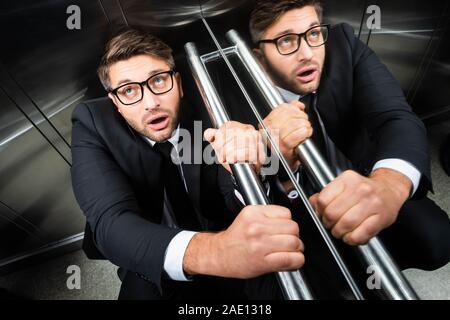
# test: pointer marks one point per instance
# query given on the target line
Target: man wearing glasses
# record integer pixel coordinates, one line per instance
(356, 109)
(144, 210)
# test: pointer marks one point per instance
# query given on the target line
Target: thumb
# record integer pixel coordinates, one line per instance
(298, 104)
(276, 212)
(210, 134)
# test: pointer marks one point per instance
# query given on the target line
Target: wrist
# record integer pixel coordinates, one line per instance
(398, 183)
(201, 255)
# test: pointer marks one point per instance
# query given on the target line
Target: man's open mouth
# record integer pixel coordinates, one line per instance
(307, 74)
(158, 122)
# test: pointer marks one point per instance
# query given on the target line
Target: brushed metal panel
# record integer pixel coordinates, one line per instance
(407, 40)
(34, 185)
(349, 11)
(52, 65)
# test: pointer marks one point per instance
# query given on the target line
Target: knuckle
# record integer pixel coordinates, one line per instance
(350, 239)
(347, 222)
(365, 188)
(349, 174)
(304, 115)
(336, 233)
(330, 214)
(248, 211)
(253, 230)
(322, 200)
(356, 239)
(302, 246)
(377, 202)
(297, 244)
(286, 211)
(295, 228)
(292, 243)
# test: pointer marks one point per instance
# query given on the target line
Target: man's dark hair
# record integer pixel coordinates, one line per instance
(129, 44)
(267, 12)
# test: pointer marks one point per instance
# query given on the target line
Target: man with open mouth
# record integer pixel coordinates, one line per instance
(175, 231)
(363, 126)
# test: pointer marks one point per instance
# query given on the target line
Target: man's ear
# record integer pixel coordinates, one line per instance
(179, 82)
(113, 99)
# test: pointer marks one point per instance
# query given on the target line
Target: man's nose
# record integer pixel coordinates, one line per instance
(151, 100)
(305, 51)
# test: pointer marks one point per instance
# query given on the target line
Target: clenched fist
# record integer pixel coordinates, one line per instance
(261, 239)
(235, 142)
(356, 208)
(290, 124)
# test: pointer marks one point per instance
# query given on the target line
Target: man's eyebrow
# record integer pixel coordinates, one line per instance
(123, 81)
(149, 74)
(156, 71)
(315, 23)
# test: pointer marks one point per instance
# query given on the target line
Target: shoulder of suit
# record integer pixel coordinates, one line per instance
(343, 39)
(95, 108)
(103, 104)
(344, 29)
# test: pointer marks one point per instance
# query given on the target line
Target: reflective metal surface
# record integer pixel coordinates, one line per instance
(45, 70)
(412, 35)
(35, 190)
(176, 13)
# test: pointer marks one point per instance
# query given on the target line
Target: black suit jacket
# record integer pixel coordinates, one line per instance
(364, 109)
(117, 183)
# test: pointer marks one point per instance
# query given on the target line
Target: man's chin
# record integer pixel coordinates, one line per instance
(304, 89)
(159, 136)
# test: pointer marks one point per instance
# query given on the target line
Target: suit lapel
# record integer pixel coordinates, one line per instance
(327, 108)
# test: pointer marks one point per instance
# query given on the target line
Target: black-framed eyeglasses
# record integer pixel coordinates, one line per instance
(290, 42)
(133, 92)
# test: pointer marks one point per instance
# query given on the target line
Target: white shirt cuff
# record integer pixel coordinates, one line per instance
(403, 167)
(173, 262)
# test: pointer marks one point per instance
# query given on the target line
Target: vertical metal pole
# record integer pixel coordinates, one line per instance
(292, 283)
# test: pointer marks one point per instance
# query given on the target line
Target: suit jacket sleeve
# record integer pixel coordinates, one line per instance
(109, 203)
(381, 104)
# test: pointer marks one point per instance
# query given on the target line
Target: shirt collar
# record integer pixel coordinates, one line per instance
(173, 139)
(287, 95)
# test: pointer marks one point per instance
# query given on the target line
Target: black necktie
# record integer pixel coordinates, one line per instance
(333, 156)
(318, 136)
(175, 190)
